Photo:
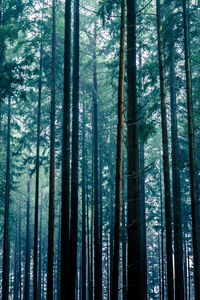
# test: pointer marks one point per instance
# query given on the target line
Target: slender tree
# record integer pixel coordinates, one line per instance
(134, 259)
(194, 202)
(83, 208)
(75, 149)
(6, 242)
(37, 167)
(97, 258)
(52, 163)
(118, 178)
(168, 217)
(65, 251)
(27, 257)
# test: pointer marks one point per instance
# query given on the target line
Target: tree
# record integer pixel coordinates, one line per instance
(6, 244)
(118, 178)
(65, 251)
(133, 225)
(75, 156)
(52, 163)
(166, 171)
(37, 168)
(194, 204)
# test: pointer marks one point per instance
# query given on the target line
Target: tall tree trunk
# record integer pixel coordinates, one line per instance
(6, 240)
(178, 239)
(27, 257)
(162, 233)
(83, 208)
(37, 167)
(97, 257)
(20, 251)
(166, 170)
(111, 236)
(50, 282)
(134, 258)
(39, 297)
(75, 150)
(118, 178)
(124, 256)
(191, 138)
(143, 272)
(65, 250)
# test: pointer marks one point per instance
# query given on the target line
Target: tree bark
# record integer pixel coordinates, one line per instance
(27, 257)
(118, 178)
(191, 138)
(6, 240)
(37, 167)
(50, 281)
(134, 245)
(166, 171)
(65, 250)
(97, 257)
(75, 154)
(83, 208)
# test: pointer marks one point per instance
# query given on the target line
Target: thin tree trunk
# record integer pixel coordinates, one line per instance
(27, 258)
(50, 261)
(162, 234)
(35, 255)
(191, 138)
(118, 178)
(166, 170)
(65, 250)
(6, 240)
(111, 237)
(75, 154)
(83, 208)
(97, 257)
(124, 256)
(134, 258)
(19, 253)
(39, 297)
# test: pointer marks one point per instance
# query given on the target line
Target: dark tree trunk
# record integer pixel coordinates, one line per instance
(178, 239)
(75, 154)
(111, 236)
(27, 257)
(118, 178)
(83, 208)
(166, 170)
(124, 256)
(65, 250)
(191, 138)
(134, 245)
(40, 252)
(97, 257)
(162, 234)
(50, 261)
(37, 167)
(6, 242)
(20, 251)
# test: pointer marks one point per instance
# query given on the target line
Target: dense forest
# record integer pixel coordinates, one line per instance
(99, 149)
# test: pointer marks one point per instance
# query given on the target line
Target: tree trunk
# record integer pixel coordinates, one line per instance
(166, 170)
(178, 239)
(40, 252)
(52, 163)
(134, 260)
(35, 255)
(162, 233)
(27, 258)
(97, 257)
(65, 250)
(83, 209)
(6, 241)
(118, 178)
(195, 228)
(75, 150)
(124, 256)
